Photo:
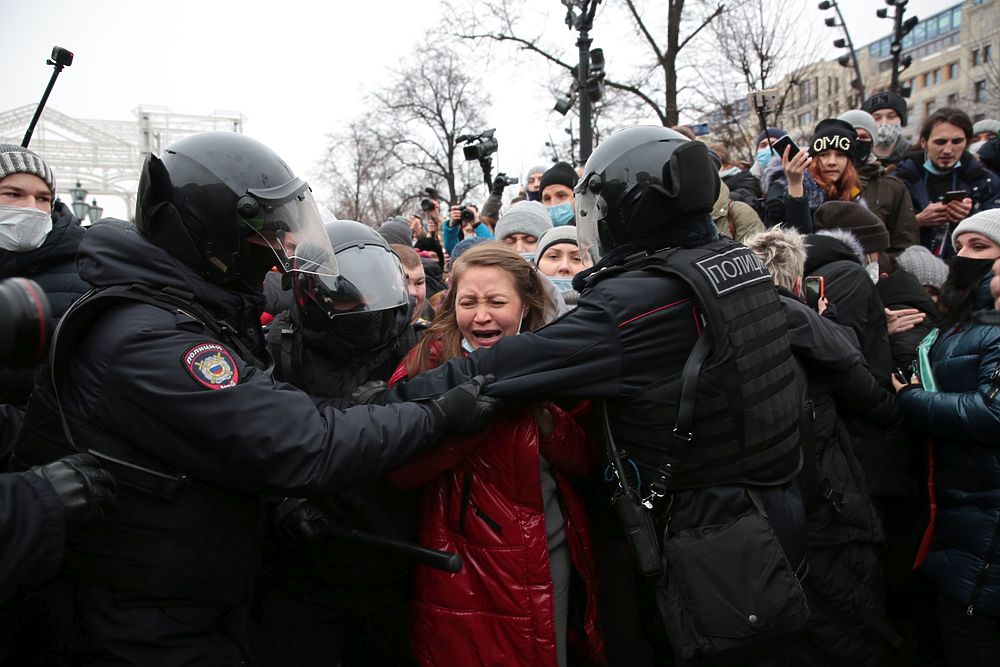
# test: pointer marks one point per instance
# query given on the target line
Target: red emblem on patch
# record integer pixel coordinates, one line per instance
(211, 365)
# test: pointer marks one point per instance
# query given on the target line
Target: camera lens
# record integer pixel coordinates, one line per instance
(467, 215)
(25, 318)
(426, 204)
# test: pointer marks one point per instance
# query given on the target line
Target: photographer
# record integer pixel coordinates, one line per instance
(428, 238)
(463, 223)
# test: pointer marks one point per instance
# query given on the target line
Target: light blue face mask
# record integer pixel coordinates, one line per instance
(764, 156)
(562, 284)
(466, 345)
(929, 166)
(561, 214)
(529, 257)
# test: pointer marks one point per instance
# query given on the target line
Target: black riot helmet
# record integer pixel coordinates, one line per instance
(228, 207)
(646, 185)
(368, 307)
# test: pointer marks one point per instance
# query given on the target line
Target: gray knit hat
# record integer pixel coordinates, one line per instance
(17, 160)
(524, 217)
(396, 231)
(928, 268)
(986, 223)
(986, 125)
(561, 234)
(857, 118)
(538, 169)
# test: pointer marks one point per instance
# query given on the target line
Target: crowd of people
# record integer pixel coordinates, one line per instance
(669, 408)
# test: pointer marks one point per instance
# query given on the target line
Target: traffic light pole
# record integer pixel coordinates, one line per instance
(854, 55)
(897, 44)
(582, 73)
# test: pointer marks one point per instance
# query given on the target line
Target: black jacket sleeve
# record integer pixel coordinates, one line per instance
(33, 530)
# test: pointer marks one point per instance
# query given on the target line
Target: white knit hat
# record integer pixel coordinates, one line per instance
(524, 217)
(986, 223)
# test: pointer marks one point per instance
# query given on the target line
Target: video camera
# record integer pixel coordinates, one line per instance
(25, 322)
(479, 146)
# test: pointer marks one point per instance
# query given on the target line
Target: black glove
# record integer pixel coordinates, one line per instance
(83, 487)
(302, 520)
(370, 393)
(464, 409)
(499, 183)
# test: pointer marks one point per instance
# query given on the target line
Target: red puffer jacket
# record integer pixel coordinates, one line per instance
(482, 498)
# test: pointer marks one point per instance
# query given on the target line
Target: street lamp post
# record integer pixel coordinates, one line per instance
(844, 61)
(587, 84)
(81, 209)
(900, 29)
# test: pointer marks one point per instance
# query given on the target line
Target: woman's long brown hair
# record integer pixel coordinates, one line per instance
(842, 189)
(443, 340)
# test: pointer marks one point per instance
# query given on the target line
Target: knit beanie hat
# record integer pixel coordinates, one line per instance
(987, 125)
(538, 169)
(886, 100)
(560, 173)
(17, 160)
(833, 133)
(924, 265)
(855, 218)
(464, 245)
(396, 231)
(524, 217)
(773, 132)
(986, 223)
(556, 235)
(857, 118)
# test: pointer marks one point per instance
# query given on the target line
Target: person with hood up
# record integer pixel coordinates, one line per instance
(886, 196)
(945, 181)
(798, 185)
(953, 402)
(889, 112)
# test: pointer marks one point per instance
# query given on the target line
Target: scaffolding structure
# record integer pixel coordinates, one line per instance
(106, 156)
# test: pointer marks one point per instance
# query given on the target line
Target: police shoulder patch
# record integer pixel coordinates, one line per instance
(211, 365)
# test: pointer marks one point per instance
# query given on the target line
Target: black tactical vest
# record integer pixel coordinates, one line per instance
(743, 427)
(168, 536)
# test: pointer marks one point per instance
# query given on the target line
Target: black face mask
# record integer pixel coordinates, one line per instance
(256, 261)
(534, 196)
(862, 149)
(966, 272)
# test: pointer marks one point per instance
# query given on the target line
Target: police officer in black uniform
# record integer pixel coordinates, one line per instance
(682, 336)
(161, 374)
(325, 599)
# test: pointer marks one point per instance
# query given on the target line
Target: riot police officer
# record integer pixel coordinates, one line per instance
(161, 373)
(325, 600)
(682, 336)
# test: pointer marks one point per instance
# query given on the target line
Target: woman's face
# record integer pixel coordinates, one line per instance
(944, 146)
(832, 164)
(487, 305)
(562, 260)
(976, 246)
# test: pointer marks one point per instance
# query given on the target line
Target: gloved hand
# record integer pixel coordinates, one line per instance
(370, 393)
(464, 409)
(301, 519)
(499, 183)
(83, 487)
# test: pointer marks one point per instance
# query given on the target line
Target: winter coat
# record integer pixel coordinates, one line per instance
(735, 219)
(899, 290)
(982, 185)
(743, 186)
(482, 498)
(888, 198)
(784, 209)
(962, 420)
(53, 267)
(452, 234)
(883, 454)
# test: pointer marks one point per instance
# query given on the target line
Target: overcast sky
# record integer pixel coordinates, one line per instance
(295, 69)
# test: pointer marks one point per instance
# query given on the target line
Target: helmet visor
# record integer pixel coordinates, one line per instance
(371, 279)
(590, 210)
(293, 229)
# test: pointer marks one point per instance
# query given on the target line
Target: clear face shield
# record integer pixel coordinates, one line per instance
(590, 210)
(371, 279)
(287, 220)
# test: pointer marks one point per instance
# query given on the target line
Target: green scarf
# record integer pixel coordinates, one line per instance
(924, 359)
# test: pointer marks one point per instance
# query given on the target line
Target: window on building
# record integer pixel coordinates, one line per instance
(929, 107)
(979, 91)
(953, 100)
(975, 58)
(806, 118)
(956, 18)
(926, 79)
(805, 92)
(953, 71)
(987, 48)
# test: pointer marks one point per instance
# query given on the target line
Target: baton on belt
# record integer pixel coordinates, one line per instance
(439, 560)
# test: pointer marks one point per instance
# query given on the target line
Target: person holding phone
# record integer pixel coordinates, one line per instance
(945, 181)
(807, 179)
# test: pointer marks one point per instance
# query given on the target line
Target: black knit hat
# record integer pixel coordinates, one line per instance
(886, 100)
(855, 218)
(833, 133)
(560, 173)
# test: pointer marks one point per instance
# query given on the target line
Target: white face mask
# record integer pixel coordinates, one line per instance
(23, 229)
(873, 271)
